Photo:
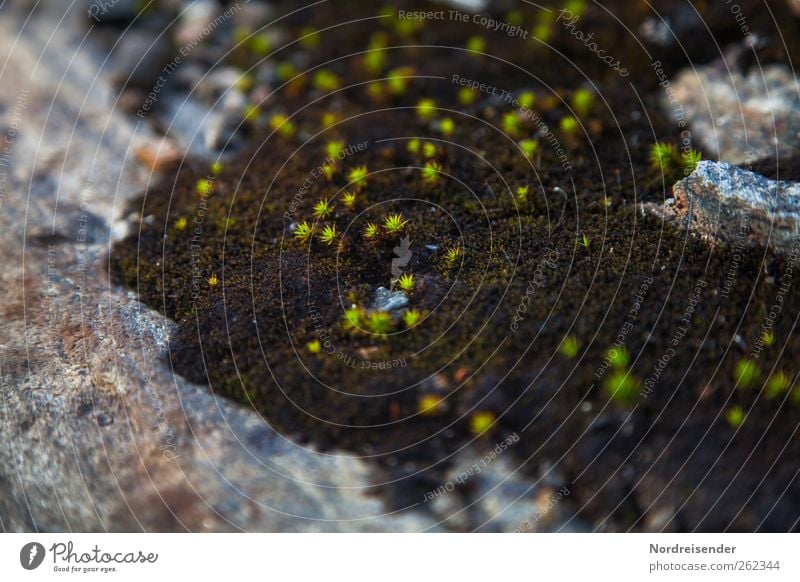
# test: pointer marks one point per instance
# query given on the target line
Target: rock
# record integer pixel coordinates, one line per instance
(386, 300)
(739, 118)
(725, 202)
(795, 6)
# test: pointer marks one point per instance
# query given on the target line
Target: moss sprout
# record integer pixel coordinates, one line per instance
(333, 147)
(430, 405)
(412, 317)
(371, 231)
(394, 223)
(322, 209)
(476, 44)
(467, 96)
(413, 146)
(569, 125)
(481, 422)
(204, 186)
(777, 385)
(734, 416)
(619, 357)
(303, 231)
(406, 282)
(429, 149)
(325, 80)
(213, 281)
(181, 223)
(259, 45)
(309, 38)
(447, 126)
(746, 373)
(510, 122)
(453, 254)
(585, 242)
(328, 234)
(583, 101)
(251, 114)
(349, 200)
(328, 119)
(662, 155)
(397, 79)
(522, 193)
(529, 147)
(353, 318)
(285, 71)
(358, 177)
(426, 109)
(431, 172)
(569, 347)
(282, 125)
(314, 346)
(689, 161)
(527, 99)
(621, 387)
(216, 168)
(379, 322)
(768, 338)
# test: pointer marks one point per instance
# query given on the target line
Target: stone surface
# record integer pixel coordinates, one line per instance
(725, 202)
(98, 433)
(738, 118)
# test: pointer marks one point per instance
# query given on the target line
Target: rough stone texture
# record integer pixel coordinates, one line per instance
(98, 433)
(725, 202)
(739, 118)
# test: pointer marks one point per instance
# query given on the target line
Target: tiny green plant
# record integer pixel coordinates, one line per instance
(619, 357)
(213, 281)
(358, 177)
(527, 99)
(431, 172)
(529, 147)
(397, 79)
(426, 109)
(582, 101)
(352, 319)
(328, 234)
(569, 347)
(735, 416)
(481, 422)
(394, 223)
(467, 96)
(259, 45)
(216, 168)
(309, 38)
(689, 161)
(412, 317)
(447, 126)
(251, 113)
(204, 187)
(379, 322)
(349, 200)
(325, 80)
(282, 124)
(522, 193)
(476, 44)
(285, 71)
(510, 122)
(406, 282)
(314, 346)
(429, 149)
(413, 146)
(777, 384)
(621, 387)
(303, 231)
(333, 147)
(585, 242)
(453, 254)
(746, 373)
(662, 155)
(569, 125)
(322, 209)
(371, 231)
(430, 405)
(181, 223)
(768, 338)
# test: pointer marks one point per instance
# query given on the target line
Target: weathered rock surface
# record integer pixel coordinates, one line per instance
(98, 433)
(725, 202)
(739, 118)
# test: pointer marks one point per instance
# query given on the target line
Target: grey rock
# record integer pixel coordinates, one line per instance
(725, 202)
(386, 300)
(738, 118)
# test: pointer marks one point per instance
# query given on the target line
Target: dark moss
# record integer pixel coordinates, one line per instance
(246, 337)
